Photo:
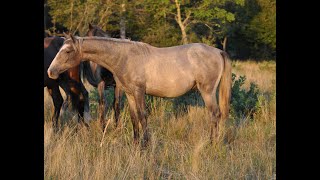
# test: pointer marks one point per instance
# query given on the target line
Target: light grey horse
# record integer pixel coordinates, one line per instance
(140, 69)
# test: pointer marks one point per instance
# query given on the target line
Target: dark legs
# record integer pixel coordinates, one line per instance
(77, 99)
(67, 101)
(73, 90)
(57, 102)
(85, 99)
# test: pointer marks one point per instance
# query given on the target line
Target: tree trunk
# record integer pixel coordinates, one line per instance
(181, 24)
(71, 16)
(184, 35)
(122, 21)
(224, 44)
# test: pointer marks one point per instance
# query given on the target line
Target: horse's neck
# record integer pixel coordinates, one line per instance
(106, 54)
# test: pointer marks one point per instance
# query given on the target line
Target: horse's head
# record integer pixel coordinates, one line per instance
(68, 56)
(96, 31)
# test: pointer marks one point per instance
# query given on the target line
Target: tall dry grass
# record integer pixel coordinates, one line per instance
(179, 146)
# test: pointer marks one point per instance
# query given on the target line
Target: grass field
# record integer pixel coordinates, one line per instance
(179, 146)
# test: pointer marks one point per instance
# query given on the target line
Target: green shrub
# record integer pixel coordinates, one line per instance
(94, 99)
(243, 103)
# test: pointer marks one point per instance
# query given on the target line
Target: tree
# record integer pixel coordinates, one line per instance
(207, 15)
(75, 15)
(182, 24)
(264, 25)
(123, 20)
(244, 28)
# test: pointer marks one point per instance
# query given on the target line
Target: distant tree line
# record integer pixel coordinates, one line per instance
(246, 29)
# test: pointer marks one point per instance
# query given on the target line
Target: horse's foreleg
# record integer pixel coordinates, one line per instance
(117, 103)
(141, 109)
(102, 103)
(134, 117)
(57, 102)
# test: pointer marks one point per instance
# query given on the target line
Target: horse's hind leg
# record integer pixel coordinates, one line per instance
(208, 93)
(57, 102)
(117, 103)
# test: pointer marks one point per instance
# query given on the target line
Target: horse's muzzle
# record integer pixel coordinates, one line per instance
(52, 74)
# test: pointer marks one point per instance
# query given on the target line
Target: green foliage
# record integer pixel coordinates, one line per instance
(267, 16)
(94, 99)
(249, 25)
(253, 33)
(75, 15)
(243, 103)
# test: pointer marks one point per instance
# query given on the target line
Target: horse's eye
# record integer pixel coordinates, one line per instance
(68, 52)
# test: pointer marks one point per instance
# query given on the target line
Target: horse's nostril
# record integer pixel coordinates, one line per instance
(50, 73)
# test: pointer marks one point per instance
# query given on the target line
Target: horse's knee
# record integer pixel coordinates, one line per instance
(85, 92)
(81, 97)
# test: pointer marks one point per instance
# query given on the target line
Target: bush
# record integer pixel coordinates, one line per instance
(243, 103)
(94, 99)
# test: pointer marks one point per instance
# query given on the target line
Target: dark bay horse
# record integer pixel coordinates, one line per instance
(69, 81)
(101, 78)
(139, 68)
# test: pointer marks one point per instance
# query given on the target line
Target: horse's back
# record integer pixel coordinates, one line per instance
(188, 57)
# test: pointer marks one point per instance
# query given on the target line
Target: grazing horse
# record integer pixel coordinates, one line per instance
(69, 81)
(139, 68)
(101, 78)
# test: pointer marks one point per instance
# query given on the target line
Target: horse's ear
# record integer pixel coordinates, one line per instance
(67, 36)
(90, 26)
(73, 38)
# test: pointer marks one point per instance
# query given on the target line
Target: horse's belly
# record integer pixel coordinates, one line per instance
(169, 88)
